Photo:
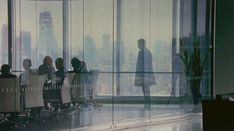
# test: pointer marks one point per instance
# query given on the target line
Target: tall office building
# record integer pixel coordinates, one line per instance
(47, 43)
(90, 55)
(106, 52)
(4, 46)
(25, 43)
(22, 49)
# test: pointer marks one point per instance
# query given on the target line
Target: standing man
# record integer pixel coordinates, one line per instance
(144, 77)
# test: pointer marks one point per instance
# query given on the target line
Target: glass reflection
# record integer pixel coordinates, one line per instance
(3, 32)
(103, 34)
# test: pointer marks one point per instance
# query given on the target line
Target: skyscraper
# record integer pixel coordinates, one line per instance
(106, 51)
(47, 43)
(4, 46)
(90, 51)
(21, 50)
(25, 44)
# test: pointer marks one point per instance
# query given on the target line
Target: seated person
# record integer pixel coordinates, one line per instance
(24, 79)
(60, 76)
(75, 62)
(83, 67)
(86, 83)
(47, 69)
(75, 90)
(81, 76)
(84, 74)
(5, 72)
(61, 71)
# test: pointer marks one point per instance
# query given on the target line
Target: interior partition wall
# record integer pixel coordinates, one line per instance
(104, 34)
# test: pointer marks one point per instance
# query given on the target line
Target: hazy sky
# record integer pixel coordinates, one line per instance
(3, 12)
(148, 19)
(138, 20)
(3, 20)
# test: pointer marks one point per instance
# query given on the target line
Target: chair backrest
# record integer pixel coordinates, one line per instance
(74, 81)
(33, 92)
(9, 95)
(65, 91)
(94, 77)
(70, 77)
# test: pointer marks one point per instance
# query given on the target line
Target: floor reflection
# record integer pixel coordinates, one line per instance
(89, 116)
(187, 125)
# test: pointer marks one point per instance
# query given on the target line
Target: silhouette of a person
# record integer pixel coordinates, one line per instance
(24, 79)
(5, 72)
(76, 64)
(47, 67)
(87, 83)
(75, 91)
(144, 76)
(60, 76)
(61, 71)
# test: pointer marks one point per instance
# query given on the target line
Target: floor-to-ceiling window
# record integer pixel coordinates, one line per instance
(3, 32)
(104, 34)
(38, 32)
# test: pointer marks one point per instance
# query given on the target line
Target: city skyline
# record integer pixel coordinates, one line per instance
(92, 35)
(90, 44)
(47, 42)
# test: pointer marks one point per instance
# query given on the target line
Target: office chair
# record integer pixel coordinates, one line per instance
(84, 88)
(64, 107)
(10, 101)
(33, 93)
(61, 103)
(76, 91)
(90, 88)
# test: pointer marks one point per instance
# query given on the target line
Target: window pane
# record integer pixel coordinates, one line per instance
(152, 21)
(98, 41)
(185, 9)
(201, 17)
(39, 31)
(3, 32)
(76, 30)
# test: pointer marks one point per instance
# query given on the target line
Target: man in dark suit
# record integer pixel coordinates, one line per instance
(144, 77)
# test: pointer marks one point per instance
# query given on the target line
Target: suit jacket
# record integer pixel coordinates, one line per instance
(144, 69)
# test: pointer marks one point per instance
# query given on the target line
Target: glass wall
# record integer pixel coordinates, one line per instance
(76, 30)
(107, 35)
(38, 32)
(4, 32)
